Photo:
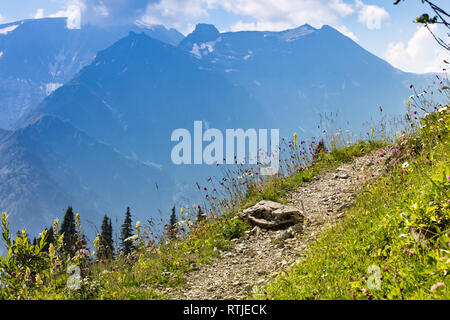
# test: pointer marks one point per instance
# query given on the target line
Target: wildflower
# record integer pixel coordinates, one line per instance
(326, 213)
(442, 109)
(86, 269)
(133, 237)
(55, 226)
(57, 265)
(38, 280)
(405, 165)
(97, 243)
(182, 210)
(405, 250)
(437, 285)
(138, 224)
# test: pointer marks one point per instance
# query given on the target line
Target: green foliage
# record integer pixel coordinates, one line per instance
(440, 18)
(233, 229)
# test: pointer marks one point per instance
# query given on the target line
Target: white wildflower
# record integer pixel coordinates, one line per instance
(132, 238)
(405, 165)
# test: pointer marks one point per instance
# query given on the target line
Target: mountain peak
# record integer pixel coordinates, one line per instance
(205, 32)
(296, 33)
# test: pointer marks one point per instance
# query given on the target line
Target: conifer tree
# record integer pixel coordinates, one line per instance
(126, 232)
(106, 250)
(173, 224)
(200, 215)
(68, 228)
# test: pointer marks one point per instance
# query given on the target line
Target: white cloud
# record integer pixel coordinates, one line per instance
(39, 13)
(72, 12)
(175, 13)
(347, 32)
(101, 10)
(421, 53)
(371, 15)
(2, 18)
(262, 26)
(284, 14)
(273, 15)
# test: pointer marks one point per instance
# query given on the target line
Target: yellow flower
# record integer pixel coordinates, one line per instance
(38, 280)
(78, 220)
(97, 243)
(55, 226)
(138, 225)
(51, 251)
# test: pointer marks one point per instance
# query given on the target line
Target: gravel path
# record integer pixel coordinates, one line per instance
(260, 255)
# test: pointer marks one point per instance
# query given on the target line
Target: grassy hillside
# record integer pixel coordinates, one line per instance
(393, 243)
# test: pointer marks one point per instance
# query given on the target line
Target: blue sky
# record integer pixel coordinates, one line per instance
(378, 26)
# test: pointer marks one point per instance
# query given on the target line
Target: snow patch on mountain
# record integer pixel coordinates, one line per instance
(8, 29)
(50, 87)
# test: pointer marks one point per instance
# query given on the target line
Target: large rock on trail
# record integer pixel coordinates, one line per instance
(272, 215)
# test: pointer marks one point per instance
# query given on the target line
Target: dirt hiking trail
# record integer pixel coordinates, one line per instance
(261, 254)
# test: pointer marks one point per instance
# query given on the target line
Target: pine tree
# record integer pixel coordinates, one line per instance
(68, 228)
(50, 238)
(172, 224)
(200, 215)
(106, 250)
(126, 232)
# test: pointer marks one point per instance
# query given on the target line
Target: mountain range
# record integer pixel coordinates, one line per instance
(101, 141)
(39, 55)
